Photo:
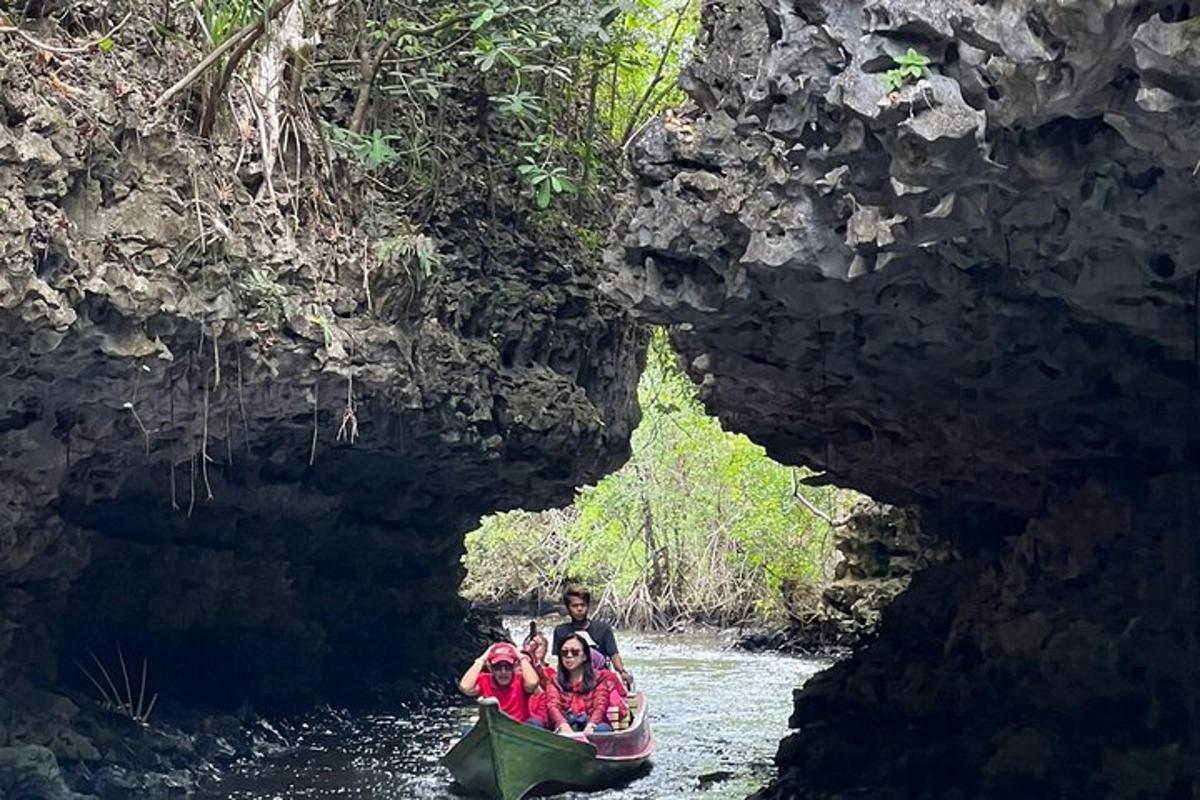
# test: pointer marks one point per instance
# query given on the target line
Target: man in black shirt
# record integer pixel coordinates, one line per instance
(578, 600)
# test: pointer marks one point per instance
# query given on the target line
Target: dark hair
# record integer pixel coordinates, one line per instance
(564, 677)
(575, 590)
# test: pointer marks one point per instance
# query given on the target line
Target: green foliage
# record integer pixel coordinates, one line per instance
(373, 152)
(699, 524)
(635, 42)
(524, 105)
(546, 181)
(579, 77)
(910, 67)
(573, 77)
(591, 240)
(410, 250)
(487, 13)
(260, 288)
(223, 18)
(324, 323)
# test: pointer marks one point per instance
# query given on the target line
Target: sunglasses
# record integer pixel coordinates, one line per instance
(503, 665)
(570, 651)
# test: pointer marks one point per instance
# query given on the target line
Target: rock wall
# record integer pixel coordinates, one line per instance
(881, 548)
(1064, 666)
(975, 295)
(244, 443)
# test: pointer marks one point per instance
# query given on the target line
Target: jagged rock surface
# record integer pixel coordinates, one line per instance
(1061, 667)
(971, 295)
(245, 449)
(881, 548)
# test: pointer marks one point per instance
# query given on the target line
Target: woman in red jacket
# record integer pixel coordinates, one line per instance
(576, 700)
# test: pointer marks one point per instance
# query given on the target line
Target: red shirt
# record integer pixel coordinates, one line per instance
(537, 701)
(537, 706)
(616, 689)
(513, 700)
(572, 698)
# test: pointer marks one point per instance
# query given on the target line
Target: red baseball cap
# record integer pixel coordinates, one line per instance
(501, 653)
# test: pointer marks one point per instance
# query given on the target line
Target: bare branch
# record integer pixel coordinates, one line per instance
(658, 74)
(115, 694)
(65, 50)
(142, 691)
(127, 704)
(804, 501)
(107, 700)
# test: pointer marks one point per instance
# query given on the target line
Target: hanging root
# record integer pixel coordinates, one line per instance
(312, 455)
(204, 457)
(191, 486)
(348, 430)
(141, 426)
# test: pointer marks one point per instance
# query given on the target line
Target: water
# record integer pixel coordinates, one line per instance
(717, 715)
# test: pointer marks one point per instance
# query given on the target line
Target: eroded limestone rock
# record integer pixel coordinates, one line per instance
(32, 771)
(975, 295)
(882, 547)
(242, 444)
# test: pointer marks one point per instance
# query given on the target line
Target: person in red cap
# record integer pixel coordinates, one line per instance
(503, 662)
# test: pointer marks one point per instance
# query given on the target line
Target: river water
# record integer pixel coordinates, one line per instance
(717, 715)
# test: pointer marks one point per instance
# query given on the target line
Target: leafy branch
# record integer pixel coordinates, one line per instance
(372, 60)
(546, 181)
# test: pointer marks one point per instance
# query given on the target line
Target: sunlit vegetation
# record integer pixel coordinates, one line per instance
(699, 525)
(541, 95)
(566, 84)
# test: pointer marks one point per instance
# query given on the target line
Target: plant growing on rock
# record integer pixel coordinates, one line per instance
(910, 68)
(546, 181)
(112, 699)
(409, 249)
(373, 152)
(261, 288)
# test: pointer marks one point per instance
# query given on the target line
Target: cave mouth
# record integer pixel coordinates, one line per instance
(286, 588)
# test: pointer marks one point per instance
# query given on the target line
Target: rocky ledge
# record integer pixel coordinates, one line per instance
(973, 293)
(242, 428)
(880, 548)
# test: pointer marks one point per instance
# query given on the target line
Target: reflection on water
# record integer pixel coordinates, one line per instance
(717, 716)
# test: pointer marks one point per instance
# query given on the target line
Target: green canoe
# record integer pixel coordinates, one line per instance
(502, 759)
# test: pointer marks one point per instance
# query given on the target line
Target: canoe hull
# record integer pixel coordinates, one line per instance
(504, 760)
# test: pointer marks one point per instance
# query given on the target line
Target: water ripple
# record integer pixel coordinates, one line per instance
(717, 715)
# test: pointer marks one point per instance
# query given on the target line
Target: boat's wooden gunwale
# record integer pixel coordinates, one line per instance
(505, 772)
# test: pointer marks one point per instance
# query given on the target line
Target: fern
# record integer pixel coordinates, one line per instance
(407, 248)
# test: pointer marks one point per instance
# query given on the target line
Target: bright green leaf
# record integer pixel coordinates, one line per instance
(484, 18)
